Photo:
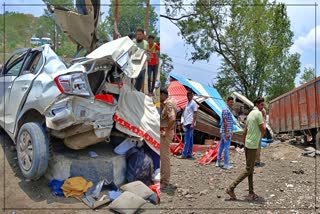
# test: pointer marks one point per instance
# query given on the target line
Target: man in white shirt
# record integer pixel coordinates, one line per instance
(189, 118)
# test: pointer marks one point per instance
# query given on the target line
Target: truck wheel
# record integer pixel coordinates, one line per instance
(32, 150)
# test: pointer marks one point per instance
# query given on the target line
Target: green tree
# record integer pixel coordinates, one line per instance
(44, 27)
(252, 41)
(132, 15)
(307, 76)
(166, 68)
(17, 31)
(102, 30)
(66, 47)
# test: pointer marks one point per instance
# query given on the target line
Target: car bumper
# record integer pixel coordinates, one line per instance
(80, 121)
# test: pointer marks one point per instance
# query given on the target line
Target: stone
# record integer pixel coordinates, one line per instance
(310, 149)
(313, 154)
(204, 192)
(298, 171)
(185, 191)
(289, 185)
(66, 163)
(189, 196)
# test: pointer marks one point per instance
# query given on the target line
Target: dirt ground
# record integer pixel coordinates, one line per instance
(286, 183)
(200, 188)
(21, 196)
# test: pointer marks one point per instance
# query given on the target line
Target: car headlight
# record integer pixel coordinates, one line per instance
(74, 83)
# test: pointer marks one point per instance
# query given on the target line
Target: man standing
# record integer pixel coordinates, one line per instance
(189, 119)
(254, 129)
(168, 113)
(258, 156)
(153, 49)
(143, 44)
(226, 134)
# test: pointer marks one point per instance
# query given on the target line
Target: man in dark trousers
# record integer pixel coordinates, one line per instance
(189, 119)
(153, 50)
(254, 129)
(258, 156)
(226, 134)
(143, 44)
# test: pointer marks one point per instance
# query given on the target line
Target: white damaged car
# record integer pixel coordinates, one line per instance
(80, 104)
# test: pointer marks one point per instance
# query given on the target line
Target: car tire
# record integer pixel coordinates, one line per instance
(2, 131)
(32, 150)
(317, 140)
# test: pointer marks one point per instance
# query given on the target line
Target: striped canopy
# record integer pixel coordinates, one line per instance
(213, 98)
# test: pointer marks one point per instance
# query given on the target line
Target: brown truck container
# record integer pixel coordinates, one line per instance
(298, 111)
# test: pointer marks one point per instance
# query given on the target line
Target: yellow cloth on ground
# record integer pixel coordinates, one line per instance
(76, 186)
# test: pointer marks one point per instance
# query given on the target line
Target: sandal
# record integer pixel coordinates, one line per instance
(231, 194)
(252, 197)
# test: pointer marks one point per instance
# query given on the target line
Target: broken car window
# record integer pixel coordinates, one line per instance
(14, 68)
(34, 63)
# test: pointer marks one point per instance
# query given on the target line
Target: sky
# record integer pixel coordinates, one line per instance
(302, 24)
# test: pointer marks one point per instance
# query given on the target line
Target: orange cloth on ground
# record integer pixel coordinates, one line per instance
(76, 186)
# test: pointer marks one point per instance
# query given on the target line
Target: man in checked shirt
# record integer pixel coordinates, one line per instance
(226, 134)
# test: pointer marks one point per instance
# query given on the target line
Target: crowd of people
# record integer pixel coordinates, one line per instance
(254, 129)
(152, 49)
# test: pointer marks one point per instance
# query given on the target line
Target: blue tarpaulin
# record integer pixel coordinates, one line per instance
(214, 100)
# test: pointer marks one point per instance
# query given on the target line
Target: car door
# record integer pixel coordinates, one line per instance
(81, 25)
(32, 64)
(9, 73)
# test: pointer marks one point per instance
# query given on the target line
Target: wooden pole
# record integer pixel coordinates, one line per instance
(116, 18)
(147, 17)
(146, 37)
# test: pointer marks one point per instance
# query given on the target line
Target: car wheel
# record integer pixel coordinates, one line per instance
(2, 131)
(32, 150)
(318, 141)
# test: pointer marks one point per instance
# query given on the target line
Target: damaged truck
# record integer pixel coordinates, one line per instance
(80, 103)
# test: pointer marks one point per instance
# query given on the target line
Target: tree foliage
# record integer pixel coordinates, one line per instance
(166, 68)
(132, 15)
(102, 30)
(251, 37)
(18, 29)
(308, 75)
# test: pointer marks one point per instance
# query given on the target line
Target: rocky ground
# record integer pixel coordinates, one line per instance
(286, 183)
(16, 194)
